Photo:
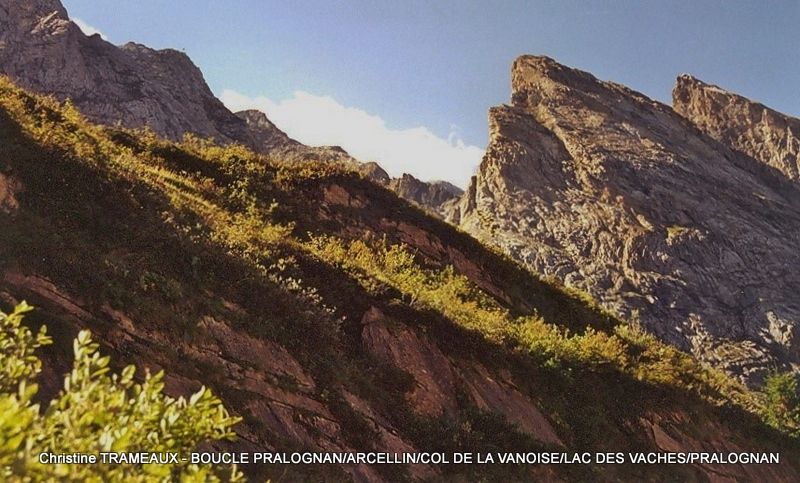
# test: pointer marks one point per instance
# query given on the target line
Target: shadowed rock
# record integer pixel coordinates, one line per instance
(433, 195)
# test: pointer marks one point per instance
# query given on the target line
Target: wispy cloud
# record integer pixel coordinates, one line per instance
(321, 120)
(88, 29)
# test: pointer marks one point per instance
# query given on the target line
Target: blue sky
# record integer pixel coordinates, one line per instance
(427, 71)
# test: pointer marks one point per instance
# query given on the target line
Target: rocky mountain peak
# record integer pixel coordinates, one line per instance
(747, 126)
(432, 194)
(536, 79)
(689, 88)
(255, 116)
(610, 192)
(135, 85)
(374, 171)
(531, 70)
(42, 50)
(363, 338)
(541, 67)
(178, 60)
(350, 321)
(265, 136)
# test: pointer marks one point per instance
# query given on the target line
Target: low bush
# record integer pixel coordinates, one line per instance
(98, 411)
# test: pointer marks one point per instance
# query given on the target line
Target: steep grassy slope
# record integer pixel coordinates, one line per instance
(331, 315)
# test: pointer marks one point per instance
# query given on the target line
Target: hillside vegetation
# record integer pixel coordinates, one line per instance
(97, 412)
(302, 286)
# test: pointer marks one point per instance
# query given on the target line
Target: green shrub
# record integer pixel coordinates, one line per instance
(783, 402)
(97, 411)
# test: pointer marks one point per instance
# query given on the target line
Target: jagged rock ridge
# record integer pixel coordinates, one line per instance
(132, 85)
(301, 375)
(435, 195)
(750, 127)
(42, 50)
(608, 191)
(136, 86)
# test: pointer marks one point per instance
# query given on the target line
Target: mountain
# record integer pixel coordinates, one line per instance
(135, 86)
(334, 316)
(750, 127)
(266, 135)
(131, 85)
(608, 191)
(433, 195)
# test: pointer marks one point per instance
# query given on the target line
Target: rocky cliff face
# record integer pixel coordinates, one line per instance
(435, 195)
(158, 255)
(135, 86)
(132, 85)
(752, 128)
(42, 50)
(606, 190)
(313, 354)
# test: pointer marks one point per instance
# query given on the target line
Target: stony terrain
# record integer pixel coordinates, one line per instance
(285, 289)
(606, 190)
(750, 127)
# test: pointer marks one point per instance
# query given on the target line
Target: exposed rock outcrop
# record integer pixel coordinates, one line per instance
(42, 50)
(584, 180)
(437, 378)
(750, 127)
(131, 85)
(434, 195)
(261, 379)
(608, 191)
(372, 170)
(266, 135)
(135, 86)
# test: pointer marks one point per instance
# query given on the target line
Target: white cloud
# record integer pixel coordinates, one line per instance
(88, 29)
(321, 120)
